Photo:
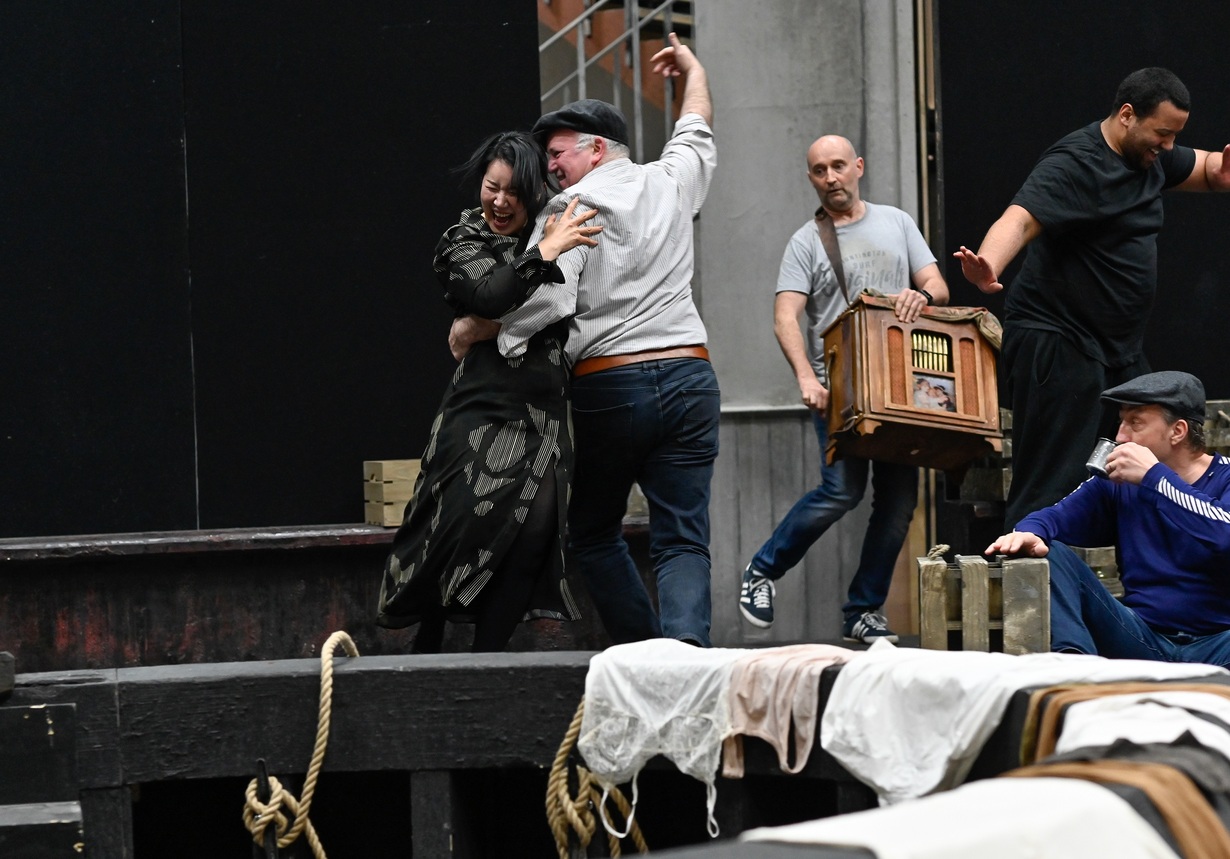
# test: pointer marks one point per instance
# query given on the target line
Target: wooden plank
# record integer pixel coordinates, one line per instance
(391, 469)
(439, 824)
(45, 830)
(388, 491)
(262, 603)
(93, 694)
(933, 603)
(447, 711)
(1027, 606)
(754, 516)
(975, 603)
(390, 713)
(107, 819)
(788, 437)
(38, 754)
(189, 542)
(725, 551)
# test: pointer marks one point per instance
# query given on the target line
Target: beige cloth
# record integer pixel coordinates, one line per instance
(770, 690)
(1196, 828)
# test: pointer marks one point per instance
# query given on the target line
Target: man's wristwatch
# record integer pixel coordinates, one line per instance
(926, 295)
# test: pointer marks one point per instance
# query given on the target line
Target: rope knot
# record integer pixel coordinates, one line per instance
(257, 815)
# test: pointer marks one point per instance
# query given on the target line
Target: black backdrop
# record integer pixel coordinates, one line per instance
(1015, 77)
(215, 248)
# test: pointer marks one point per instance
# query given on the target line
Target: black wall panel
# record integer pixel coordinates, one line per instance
(96, 386)
(1015, 77)
(320, 136)
(218, 221)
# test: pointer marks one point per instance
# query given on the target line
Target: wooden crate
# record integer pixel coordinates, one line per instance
(921, 393)
(974, 596)
(388, 485)
(1105, 565)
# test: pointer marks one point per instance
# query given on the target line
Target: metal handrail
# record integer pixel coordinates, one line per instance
(576, 22)
(630, 35)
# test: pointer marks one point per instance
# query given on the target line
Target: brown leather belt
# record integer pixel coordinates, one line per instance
(606, 362)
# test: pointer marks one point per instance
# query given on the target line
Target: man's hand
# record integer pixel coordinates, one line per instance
(1018, 543)
(815, 395)
(674, 60)
(468, 330)
(910, 303)
(978, 270)
(1129, 462)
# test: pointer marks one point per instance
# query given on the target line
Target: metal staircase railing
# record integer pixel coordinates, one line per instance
(636, 21)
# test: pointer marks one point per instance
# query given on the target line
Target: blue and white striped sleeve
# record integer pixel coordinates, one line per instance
(1205, 518)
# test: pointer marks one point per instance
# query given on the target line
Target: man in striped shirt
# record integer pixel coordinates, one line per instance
(645, 397)
(1165, 504)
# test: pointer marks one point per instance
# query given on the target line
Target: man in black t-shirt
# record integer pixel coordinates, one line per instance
(1074, 320)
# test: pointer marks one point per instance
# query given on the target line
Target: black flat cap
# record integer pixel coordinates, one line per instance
(588, 116)
(1182, 393)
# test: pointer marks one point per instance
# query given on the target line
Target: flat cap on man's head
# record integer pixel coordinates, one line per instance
(587, 116)
(1181, 393)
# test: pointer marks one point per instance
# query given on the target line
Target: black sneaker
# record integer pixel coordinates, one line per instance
(756, 598)
(867, 627)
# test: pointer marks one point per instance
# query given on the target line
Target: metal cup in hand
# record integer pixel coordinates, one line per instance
(1097, 459)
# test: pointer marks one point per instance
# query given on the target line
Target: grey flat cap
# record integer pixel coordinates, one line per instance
(1182, 393)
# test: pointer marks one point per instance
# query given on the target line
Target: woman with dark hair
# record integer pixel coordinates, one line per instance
(482, 539)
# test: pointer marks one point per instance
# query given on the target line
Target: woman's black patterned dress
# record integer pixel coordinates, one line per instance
(501, 430)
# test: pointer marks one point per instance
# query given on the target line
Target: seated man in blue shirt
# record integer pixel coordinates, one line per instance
(1165, 505)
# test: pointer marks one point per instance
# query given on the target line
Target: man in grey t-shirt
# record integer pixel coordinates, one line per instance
(881, 249)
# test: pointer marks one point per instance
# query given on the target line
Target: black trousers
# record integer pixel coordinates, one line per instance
(1054, 391)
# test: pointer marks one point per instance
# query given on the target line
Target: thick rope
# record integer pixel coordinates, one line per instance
(937, 551)
(566, 812)
(257, 816)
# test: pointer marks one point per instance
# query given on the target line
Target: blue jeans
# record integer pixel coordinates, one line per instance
(1087, 619)
(655, 423)
(842, 484)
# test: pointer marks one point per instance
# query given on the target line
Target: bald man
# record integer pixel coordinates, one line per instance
(881, 249)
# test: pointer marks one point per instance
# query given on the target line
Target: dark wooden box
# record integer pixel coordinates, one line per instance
(921, 393)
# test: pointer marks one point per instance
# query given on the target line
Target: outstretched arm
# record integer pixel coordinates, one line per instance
(1015, 229)
(1211, 172)
(676, 60)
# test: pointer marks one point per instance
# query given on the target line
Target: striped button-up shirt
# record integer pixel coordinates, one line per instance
(633, 291)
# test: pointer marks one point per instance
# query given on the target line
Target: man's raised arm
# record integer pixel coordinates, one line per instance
(677, 60)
